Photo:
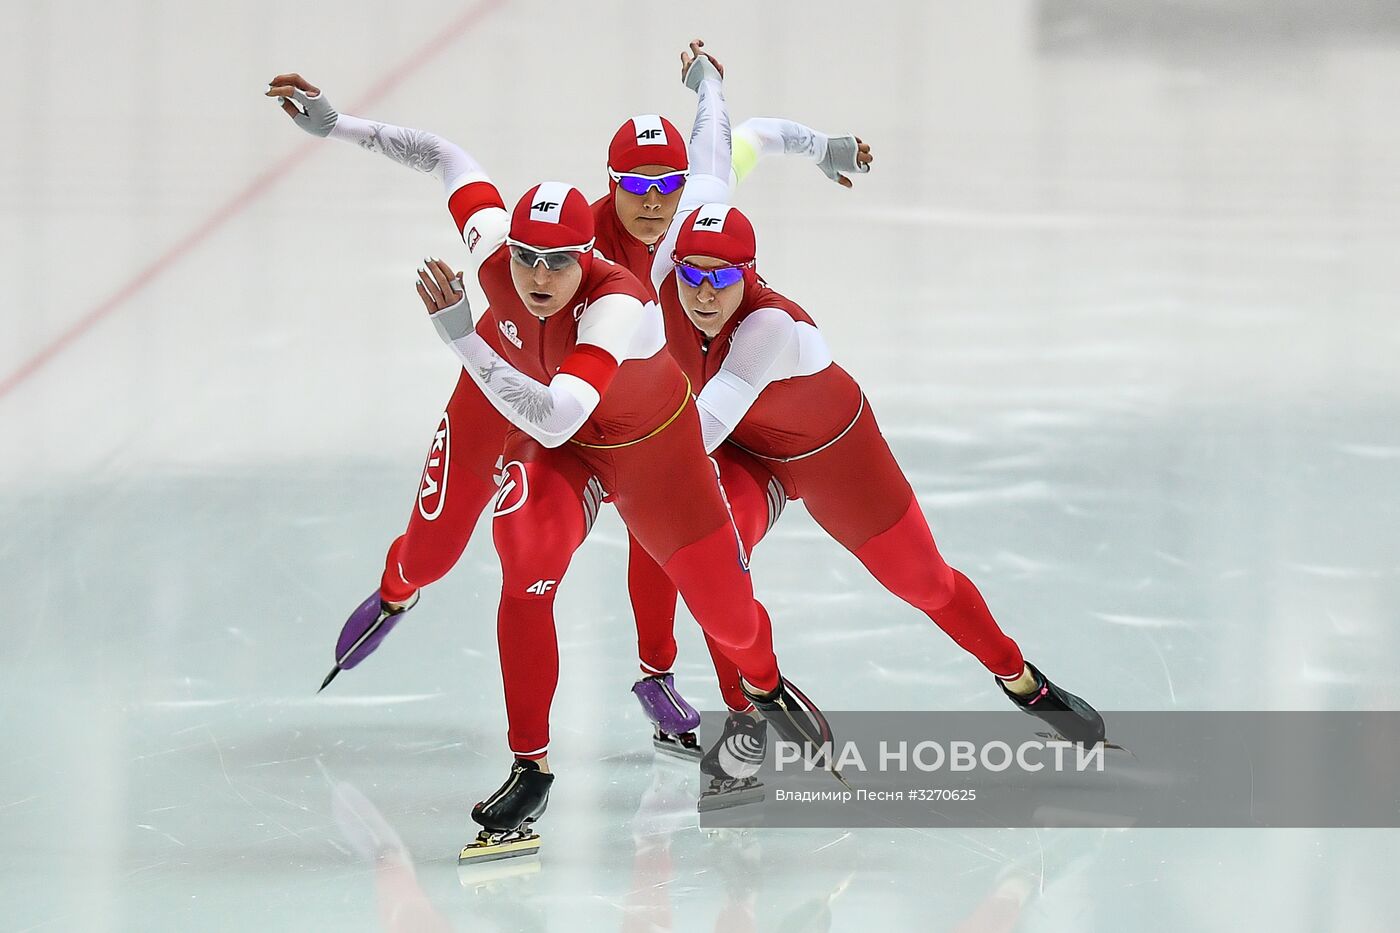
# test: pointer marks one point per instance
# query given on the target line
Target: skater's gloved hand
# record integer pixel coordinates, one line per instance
(698, 65)
(845, 154)
(446, 299)
(311, 111)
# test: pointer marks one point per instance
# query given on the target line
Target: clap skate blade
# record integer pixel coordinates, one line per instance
(685, 746)
(491, 846)
(329, 677)
(1112, 746)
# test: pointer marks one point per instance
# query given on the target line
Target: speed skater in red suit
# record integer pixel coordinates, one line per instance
(594, 399)
(767, 384)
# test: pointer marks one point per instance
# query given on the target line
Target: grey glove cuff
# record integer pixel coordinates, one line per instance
(318, 116)
(702, 69)
(841, 157)
(455, 322)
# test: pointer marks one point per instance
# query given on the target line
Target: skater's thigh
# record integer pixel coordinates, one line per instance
(854, 489)
(544, 509)
(667, 489)
(756, 497)
(459, 471)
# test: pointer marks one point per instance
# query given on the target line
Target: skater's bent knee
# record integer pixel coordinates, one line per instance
(943, 585)
(531, 570)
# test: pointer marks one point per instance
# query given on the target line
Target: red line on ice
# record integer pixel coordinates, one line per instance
(239, 201)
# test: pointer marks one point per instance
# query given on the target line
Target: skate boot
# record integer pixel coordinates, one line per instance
(796, 719)
(363, 631)
(674, 720)
(508, 814)
(732, 764)
(1066, 713)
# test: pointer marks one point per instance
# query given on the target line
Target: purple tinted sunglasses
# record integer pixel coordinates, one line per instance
(723, 277)
(639, 185)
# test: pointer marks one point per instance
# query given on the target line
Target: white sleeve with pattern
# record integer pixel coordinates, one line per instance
(619, 325)
(758, 138)
(551, 414)
(483, 225)
(710, 149)
(767, 347)
(711, 153)
(416, 149)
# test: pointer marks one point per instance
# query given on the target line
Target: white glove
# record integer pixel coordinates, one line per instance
(317, 115)
(455, 321)
(841, 157)
(702, 69)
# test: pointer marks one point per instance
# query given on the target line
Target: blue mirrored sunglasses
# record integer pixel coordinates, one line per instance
(723, 277)
(639, 185)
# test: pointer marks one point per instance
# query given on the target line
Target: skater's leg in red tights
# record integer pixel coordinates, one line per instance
(716, 588)
(653, 597)
(668, 494)
(458, 481)
(755, 499)
(542, 514)
(856, 491)
(907, 563)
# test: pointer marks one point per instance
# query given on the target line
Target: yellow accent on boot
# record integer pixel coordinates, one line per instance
(1023, 686)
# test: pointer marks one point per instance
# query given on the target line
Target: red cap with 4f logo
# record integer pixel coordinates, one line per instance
(647, 139)
(717, 230)
(552, 216)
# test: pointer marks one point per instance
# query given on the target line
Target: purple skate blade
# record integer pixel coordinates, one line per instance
(363, 631)
(664, 706)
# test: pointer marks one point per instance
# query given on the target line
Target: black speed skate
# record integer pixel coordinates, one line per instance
(508, 814)
(796, 719)
(732, 764)
(1066, 713)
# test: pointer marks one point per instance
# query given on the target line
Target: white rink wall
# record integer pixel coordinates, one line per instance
(1117, 223)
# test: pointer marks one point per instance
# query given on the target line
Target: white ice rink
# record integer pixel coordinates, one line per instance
(1122, 289)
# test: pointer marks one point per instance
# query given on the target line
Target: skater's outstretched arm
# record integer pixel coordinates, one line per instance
(549, 412)
(710, 149)
(474, 202)
(711, 141)
(757, 138)
(767, 346)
